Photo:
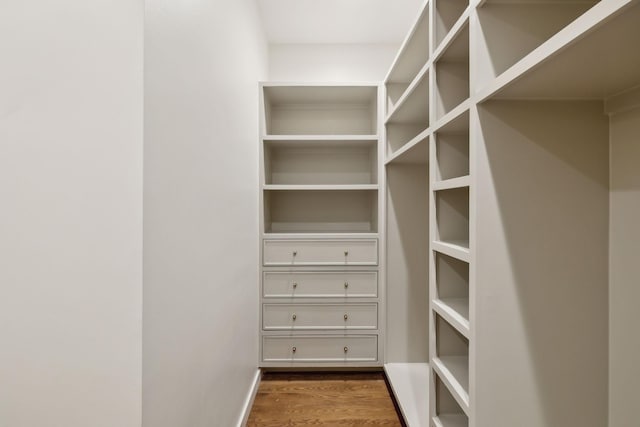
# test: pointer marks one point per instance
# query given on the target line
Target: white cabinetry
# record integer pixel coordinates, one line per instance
(322, 294)
(496, 111)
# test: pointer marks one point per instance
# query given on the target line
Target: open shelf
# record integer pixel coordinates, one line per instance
(320, 110)
(410, 385)
(320, 162)
(448, 409)
(415, 151)
(320, 211)
(451, 301)
(451, 420)
(452, 150)
(452, 360)
(447, 13)
(589, 59)
(456, 249)
(452, 216)
(512, 29)
(410, 118)
(452, 74)
(412, 57)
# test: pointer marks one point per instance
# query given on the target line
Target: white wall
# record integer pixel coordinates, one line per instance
(202, 64)
(624, 270)
(330, 62)
(71, 213)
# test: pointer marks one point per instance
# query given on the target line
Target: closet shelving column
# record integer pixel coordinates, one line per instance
(407, 227)
(547, 73)
(321, 292)
(451, 244)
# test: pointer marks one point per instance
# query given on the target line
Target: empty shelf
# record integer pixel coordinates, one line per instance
(452, 183)
(455, 249)
(455, 311)
(451, 420)
(454, 373)
(410, 386)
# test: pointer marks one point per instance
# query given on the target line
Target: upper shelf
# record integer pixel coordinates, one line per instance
(414, 52)
(594, 57)
(320, 110)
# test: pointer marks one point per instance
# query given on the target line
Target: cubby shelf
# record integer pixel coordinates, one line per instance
(413, 94)
(455, 249)
(411, 58)
(448, 15)
(414, 151)
(451, 35)
(454, 373)
(410, 385)
(451, 70)
(452, 183)
(451, 420)
(578, 62)
(319, 109)
(455, 311)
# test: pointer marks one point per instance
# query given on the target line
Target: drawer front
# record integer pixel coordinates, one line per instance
(319, 316)
(321, 252)
(320, 349)
(347, 284)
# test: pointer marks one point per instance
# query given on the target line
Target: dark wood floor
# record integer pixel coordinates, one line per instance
(323, 399)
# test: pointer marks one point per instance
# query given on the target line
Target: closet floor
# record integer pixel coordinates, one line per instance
(323, 399)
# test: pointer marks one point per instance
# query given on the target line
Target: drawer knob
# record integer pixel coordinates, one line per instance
(294, 316)
(295, 253)
(295, 285)
(346, 253)
(346, 285)
(346, 316)
(293, 349)
(346, 349)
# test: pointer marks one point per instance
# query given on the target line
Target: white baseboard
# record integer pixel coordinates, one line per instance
(248, 403)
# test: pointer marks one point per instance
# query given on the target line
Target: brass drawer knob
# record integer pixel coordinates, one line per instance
(346, 253)
(294, 317)
(293, 349)
(295, 285)
(346, 349)
(346, 285)
(346, 316)
(295, 253)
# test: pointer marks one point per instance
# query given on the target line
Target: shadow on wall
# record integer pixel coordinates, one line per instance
(549, 165)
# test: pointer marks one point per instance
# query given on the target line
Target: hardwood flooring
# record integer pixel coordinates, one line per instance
(323, 399)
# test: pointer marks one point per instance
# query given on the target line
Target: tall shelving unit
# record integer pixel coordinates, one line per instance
(321, 289)
(496, 113)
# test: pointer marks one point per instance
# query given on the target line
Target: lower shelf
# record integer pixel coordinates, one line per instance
(410, 385)
(450, 420)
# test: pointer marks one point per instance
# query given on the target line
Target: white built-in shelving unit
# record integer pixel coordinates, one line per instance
(458, 225)
(322, 291)
(497, 147)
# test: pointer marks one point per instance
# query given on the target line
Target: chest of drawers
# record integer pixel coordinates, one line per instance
(320, 303)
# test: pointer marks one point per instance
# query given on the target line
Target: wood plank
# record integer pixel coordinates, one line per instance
(336, 399)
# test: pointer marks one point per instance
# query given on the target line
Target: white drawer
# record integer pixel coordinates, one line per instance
(319, 316)
(320, 349)
(345, 284)
(320, 252)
